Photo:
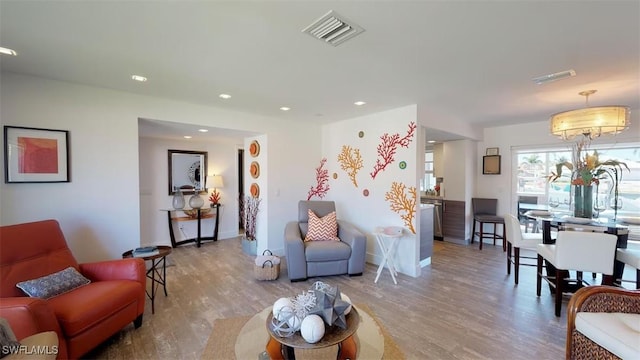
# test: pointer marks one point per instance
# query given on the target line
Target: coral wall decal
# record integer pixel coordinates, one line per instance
(400, 203)
(322, 182)
(351, 162)
(387, 148)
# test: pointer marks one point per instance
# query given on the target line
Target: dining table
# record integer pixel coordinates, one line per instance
(562, 221)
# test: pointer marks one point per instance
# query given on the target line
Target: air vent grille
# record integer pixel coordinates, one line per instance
(333, 29)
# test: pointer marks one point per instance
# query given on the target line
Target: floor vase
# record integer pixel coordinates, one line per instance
(583, 201)
(249, 247)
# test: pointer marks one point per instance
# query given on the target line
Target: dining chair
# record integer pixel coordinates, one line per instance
(517, 240)
(526, 221)
(630, 256)
(484, 212)
(575, 250)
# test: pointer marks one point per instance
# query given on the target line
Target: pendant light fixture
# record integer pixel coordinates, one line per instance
(590, 122)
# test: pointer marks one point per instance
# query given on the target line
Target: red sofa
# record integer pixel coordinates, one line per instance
(84, 317)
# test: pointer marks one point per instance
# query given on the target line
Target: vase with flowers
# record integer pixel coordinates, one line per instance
(586, 171)
(249, 220)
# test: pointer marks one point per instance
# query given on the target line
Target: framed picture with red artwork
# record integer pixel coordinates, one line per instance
(34, 155)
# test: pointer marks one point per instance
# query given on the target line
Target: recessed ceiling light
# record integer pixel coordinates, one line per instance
(284, 108)
(8, 51)
(359, 103)
(138, 78)
(203, 130)
(187, 137)
(225, 96)
(431, 141)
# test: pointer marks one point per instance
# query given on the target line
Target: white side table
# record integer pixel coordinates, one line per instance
(391, 235)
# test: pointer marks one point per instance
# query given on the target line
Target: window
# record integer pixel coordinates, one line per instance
(429, 180)
(534, 165)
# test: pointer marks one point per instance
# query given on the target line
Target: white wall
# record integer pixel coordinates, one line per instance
(99, 210)
(368, 212)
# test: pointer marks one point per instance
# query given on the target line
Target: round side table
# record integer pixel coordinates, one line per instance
(158, 262)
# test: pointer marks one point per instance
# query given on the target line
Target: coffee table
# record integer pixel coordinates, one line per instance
(157, 259)
(282, 348)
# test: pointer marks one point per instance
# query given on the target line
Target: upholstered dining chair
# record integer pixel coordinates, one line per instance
(630, 256)
(516, 240)
(485, 212)
(575, 250)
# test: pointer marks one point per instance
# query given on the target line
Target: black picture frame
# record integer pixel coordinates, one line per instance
(491, 165)
(34, 155)
(187, 171)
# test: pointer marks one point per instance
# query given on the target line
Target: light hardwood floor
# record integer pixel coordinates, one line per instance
(463, 306)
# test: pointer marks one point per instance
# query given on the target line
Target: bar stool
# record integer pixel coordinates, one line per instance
(484, 212)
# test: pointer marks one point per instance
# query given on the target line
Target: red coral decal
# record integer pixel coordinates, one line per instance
(388, 146)
(322, 179)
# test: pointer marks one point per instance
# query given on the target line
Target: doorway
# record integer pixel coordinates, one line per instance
(241, 190)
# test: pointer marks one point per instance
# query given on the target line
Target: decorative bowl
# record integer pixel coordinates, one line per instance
(193, 213)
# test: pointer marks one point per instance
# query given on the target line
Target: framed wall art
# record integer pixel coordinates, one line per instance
(491, 164)
(492, 151)
(34, 155)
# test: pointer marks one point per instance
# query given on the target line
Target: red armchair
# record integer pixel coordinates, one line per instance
(84, 317)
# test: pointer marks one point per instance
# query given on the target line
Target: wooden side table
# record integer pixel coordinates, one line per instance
(157, 277)
(199, 238)
(282, 348)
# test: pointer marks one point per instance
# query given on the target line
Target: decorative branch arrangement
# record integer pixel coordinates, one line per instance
(400, 202)
(351, 162)
(322, 179)
(250, 216)
(387, 148)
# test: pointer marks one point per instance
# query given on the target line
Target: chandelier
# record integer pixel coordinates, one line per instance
(590, 122)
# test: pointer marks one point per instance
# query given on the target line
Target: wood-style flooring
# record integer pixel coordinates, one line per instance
(463, 306)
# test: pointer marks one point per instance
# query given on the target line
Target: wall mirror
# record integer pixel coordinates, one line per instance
(187, 170)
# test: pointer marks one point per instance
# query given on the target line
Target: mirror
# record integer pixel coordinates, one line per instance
(187, 170)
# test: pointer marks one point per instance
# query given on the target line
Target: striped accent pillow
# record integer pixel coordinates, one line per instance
(321, 229)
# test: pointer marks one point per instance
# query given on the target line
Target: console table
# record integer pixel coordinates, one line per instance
(199, 238)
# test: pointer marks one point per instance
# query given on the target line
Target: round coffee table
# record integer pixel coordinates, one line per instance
(253, 337)
(283, 347)
(156, 260)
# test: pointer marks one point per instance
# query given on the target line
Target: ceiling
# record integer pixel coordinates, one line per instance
(466, 61)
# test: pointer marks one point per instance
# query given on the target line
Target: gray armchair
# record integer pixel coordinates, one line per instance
(322, 258)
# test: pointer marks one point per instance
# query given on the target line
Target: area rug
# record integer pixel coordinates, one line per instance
(243, 338)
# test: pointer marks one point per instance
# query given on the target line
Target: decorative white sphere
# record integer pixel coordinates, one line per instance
(344, 297)
(312, 329)
(294, 322)
(279, 305)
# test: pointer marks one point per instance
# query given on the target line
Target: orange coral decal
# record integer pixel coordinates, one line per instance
(387, 148)
(351, 162)
(403, 203)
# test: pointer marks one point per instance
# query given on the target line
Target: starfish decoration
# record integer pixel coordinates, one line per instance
(330, 307)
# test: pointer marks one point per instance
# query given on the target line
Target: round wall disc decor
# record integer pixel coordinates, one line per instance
(254, 148)
(254, 170)
(254, 189)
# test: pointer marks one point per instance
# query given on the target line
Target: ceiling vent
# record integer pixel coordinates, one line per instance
(553, 77)
(333, 29)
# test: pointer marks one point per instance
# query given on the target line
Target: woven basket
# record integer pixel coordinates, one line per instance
(267, 267)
